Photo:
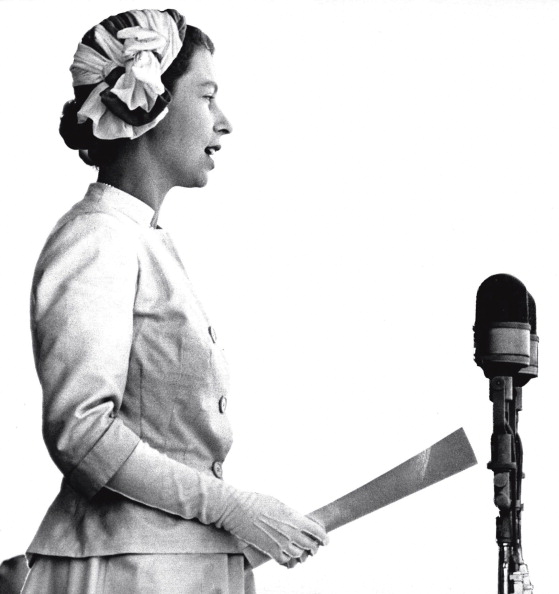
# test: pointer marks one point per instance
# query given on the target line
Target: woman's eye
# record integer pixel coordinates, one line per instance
(210, 98)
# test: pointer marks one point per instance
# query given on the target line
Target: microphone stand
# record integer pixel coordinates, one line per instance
(507, 351)
(506, 464)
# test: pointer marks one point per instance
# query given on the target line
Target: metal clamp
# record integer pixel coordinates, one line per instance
(521, 580)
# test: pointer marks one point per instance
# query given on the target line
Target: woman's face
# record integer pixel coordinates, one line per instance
(184, 141)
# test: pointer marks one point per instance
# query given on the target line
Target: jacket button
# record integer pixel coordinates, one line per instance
(212, 334)
(217, 468)
(222, 404)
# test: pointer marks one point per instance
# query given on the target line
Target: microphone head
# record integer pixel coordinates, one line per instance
(501, 298)
(502, 326)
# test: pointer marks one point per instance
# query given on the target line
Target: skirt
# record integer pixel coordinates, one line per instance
(183, 573)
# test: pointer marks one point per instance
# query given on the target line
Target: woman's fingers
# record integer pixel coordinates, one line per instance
(315, 531)
(297, 560)
(307, 545)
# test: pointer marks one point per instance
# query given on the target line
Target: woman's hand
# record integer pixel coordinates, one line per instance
(272, 527)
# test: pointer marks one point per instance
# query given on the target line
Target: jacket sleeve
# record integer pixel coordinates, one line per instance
(82, 324)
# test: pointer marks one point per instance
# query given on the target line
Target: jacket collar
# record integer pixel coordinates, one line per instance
(125, 203)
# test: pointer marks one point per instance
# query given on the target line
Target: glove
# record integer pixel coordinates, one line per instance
(154, 479)
(271, 527)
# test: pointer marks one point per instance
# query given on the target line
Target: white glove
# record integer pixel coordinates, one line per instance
(271, 526)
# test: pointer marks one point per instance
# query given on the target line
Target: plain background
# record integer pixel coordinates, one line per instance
(387, 157)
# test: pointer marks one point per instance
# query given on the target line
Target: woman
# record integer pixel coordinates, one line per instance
(134, 383)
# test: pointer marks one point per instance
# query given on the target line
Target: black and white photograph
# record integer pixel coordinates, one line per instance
(270, 280)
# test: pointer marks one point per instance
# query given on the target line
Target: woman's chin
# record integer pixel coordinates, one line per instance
(198, 181)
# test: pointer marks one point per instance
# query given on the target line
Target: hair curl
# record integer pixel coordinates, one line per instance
(95, 151)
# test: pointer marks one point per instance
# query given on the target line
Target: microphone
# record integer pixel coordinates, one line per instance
(506, 348)
(502, 327)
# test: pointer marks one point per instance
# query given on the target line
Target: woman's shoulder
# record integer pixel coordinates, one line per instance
(105, 208)
(87, 220)
(107, 224)
(85, 231)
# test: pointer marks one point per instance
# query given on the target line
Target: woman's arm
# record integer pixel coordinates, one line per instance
(82, 322)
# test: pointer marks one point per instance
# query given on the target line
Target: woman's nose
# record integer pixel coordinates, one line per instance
(222, 124)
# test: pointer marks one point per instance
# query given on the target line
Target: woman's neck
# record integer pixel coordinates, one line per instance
(136, 176)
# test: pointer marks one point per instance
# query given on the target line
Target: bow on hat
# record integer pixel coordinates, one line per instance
(129, 98)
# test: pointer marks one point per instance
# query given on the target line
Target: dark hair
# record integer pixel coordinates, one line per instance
(98, 152)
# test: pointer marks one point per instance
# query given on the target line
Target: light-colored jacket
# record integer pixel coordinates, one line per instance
(124, 352)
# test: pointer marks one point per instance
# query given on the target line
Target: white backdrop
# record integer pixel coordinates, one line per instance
(387, 157)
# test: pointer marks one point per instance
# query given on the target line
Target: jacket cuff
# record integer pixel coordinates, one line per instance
(254, 556)
(104, 459)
